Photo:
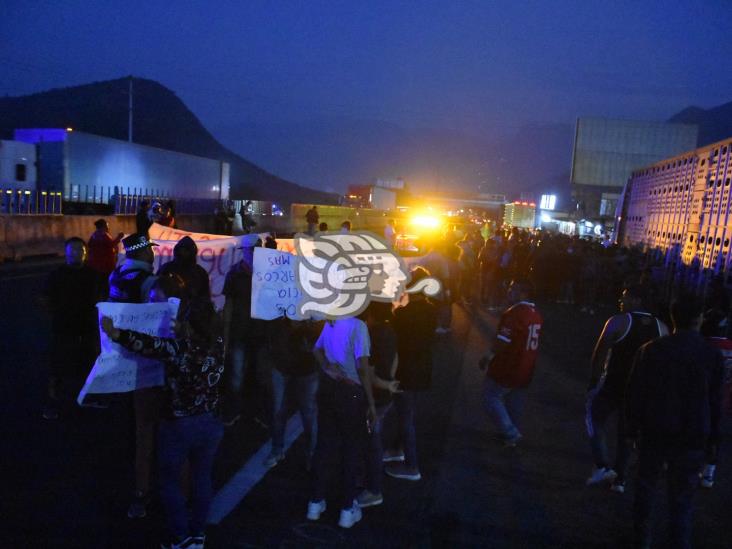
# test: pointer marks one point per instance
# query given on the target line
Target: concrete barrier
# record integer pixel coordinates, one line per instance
(32, 235)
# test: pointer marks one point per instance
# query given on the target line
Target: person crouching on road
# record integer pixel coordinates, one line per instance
(345, 405)
(511, 361)
(190, 428)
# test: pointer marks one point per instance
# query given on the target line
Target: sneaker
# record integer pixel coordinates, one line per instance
(138, 507)
(191, 542)
(707, 476)
(369, 499)
(618, 486)
(50, 413)
(400, 470)
(273, 459)
(197, 542)
(393, 455)
(601, 474)
(351, 516)
(315, 509)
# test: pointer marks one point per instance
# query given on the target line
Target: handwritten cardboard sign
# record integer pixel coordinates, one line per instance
(118, 370)
(274, 285)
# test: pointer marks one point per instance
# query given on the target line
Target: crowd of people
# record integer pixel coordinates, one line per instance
(351, 377)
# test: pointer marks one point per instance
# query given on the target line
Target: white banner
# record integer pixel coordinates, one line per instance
(161, 232)
(118, 370)
(274, 286)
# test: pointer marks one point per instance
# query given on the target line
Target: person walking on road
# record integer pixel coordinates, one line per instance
(673, 405)
(511, 361)
(612, 360)
(345, 407)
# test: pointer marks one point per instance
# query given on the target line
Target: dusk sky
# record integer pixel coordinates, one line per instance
(476, 67)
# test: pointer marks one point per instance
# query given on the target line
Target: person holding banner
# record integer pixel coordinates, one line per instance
(131, 283)
(184, 265)
(189, 429)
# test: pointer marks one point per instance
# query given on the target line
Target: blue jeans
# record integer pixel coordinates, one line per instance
(406, 407)
(504, 406)
(306, 389)
(341, 425)
(195, 438)
(599, 409)
(683, 478)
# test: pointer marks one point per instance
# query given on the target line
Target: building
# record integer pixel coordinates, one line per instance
(682, 207)
(520, 214)
(606, 152)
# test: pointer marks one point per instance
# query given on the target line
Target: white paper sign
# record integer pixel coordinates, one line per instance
(274, 286)
(118, 370)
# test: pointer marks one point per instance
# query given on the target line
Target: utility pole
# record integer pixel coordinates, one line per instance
(129, 113)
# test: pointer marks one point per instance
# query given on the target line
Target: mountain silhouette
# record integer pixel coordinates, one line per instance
(714, 124)
(161, 120)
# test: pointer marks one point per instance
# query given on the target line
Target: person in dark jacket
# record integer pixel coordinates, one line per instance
(70, 295)
(142, 218)
(673, 405)
(184, 265)
(415, 326)
(190, 429)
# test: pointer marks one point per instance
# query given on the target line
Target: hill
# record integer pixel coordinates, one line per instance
(714, 124)
(161, 120)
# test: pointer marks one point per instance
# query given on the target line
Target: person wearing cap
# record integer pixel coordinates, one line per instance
(131, 283)
(184, 265)
(242, 334)
(102, 257)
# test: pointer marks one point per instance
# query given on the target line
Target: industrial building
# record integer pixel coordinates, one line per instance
(681, 206)
(606, 152)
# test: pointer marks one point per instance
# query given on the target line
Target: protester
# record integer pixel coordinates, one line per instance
(346, 227)
(345, 405)
(270, 242)
(289, 345)
(70, 295)
(184, 265)
(612, 360)
(312, 217)
(190, 430)
(323, 227)
(511, 362)
(142, 218)
(390, 233)
(242, 333)
(415, 326)
(384, 362)
(103, 250)
(467, 262)
(673, 404)
(714, 329)
(131, 283)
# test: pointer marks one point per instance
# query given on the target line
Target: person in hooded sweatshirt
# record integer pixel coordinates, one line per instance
(184, 265)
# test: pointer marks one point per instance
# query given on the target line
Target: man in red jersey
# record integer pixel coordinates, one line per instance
(511, 361)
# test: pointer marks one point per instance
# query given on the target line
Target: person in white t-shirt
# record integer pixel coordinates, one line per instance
(390, 232)
(345, 409)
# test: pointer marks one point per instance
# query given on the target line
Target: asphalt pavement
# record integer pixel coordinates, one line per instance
(68, 482)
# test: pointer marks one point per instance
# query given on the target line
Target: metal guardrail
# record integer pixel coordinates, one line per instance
(126, 204)
(30, 202)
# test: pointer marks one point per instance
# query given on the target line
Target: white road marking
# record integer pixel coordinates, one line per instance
(238, 486)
